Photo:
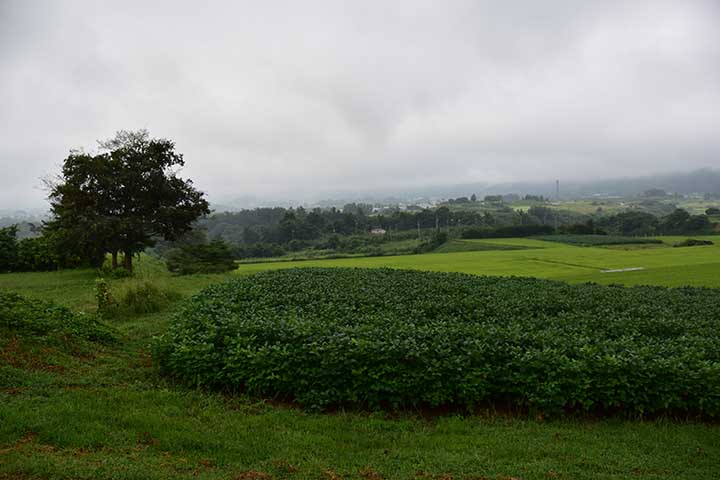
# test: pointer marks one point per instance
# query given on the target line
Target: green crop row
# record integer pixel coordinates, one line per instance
(393, 338)
(598, 240)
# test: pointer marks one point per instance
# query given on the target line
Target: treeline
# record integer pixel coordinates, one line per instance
(41, 253)
(628, 224)
(282, 226)
(272, 232)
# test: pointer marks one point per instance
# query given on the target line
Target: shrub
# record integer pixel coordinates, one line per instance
(119, 272)
(435, 241)
(214, 257)
(692, 242)
(145, 297)
(393, 338)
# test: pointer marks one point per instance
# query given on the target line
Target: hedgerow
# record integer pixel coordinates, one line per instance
(390, 338)
(598, 240)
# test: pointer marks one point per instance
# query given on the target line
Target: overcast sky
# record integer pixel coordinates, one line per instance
(297, 99)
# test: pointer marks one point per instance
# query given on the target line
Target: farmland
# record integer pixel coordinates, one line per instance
(73, 409)
(661, 265)
(403, 338)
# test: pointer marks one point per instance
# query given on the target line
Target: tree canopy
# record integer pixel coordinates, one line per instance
(124, 198)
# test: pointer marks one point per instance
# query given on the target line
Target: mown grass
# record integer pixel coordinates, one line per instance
(107, 414)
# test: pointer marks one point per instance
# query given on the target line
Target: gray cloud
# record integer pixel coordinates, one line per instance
(301, 98)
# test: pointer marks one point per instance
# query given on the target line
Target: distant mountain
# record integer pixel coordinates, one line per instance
(699, 181)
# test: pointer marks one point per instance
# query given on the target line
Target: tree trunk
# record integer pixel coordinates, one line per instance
(127, 261)
(114, 260)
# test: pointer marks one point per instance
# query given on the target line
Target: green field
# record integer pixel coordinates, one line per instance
(110, 414)
(698, 266)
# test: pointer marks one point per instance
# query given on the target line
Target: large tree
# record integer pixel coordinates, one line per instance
(125, 197)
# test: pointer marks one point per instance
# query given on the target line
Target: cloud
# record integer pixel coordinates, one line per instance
(296, 99)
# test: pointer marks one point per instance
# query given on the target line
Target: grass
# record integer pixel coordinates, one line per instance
(108, 414)
(696, 266)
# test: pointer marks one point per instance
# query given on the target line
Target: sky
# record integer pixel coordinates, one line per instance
(302, 100)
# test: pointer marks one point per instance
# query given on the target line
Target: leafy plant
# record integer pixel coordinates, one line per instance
(23, 316)
(693, 242)
(145, 297)
(214, 257)
(393, 338)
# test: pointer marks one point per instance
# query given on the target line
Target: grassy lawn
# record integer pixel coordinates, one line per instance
(108, 414)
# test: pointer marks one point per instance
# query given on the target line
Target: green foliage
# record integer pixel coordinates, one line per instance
(29, 317)
(598, 240)
(693, 242)
(508, 232)
(145, 297)
(8, 249)
(433, 243)
(214, 257)
(35, 254)
(115, 273)
(124, 198)
(400, 338)
(105, 301)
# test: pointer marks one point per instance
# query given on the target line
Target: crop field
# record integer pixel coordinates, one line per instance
(663, 265)
(404, 338)
(72, 406)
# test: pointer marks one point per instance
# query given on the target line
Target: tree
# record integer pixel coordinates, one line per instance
(8, 248)
(125, 197)
(473, 198)
(676, 222)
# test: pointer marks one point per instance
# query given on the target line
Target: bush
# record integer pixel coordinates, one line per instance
(107, 271)
(214, 257)
(145, 297)
(393, 338)
(435, 241)
(135, 298)
(692, 242)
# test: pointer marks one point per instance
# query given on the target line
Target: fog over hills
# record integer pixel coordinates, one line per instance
(699, 181)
